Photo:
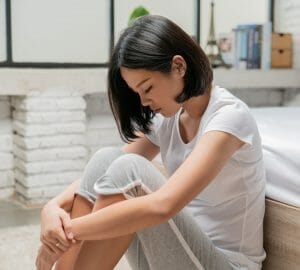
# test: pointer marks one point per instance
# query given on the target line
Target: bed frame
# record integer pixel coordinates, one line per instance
(281, 236)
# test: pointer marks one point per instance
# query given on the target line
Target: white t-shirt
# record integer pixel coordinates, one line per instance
(230, 210)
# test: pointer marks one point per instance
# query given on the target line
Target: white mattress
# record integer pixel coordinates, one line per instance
(279, 128)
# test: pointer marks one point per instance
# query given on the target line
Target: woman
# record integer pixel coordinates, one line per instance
(209, 213)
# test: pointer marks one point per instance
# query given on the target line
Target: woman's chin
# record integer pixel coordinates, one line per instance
(166, 114)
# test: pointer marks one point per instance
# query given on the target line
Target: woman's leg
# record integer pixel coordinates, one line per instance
(81, 207)
(90, 255)
(135, 255)
(84, 201)
(180, 244)
(176, 244)
(103, 254)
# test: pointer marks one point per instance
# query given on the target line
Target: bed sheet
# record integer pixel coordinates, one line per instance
(279, 128)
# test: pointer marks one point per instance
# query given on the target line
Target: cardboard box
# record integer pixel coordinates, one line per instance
(281, 55)
(281, 41)
(281, 58)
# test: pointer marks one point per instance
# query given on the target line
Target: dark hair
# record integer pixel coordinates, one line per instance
(150, 43)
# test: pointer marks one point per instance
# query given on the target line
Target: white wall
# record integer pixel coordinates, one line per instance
(287, 20)
(229, 13)
(2, 31)
(181, 12)
(60, 30)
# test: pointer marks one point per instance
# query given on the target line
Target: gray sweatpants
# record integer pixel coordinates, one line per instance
(178, 244)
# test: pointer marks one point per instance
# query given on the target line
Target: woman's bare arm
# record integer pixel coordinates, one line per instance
(142, 146)
(119, 219)
(122, 218)
(66, 198)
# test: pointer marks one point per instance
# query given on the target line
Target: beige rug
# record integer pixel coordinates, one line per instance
(18, 248)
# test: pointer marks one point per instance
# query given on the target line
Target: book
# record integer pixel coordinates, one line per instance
(242, 44)
(226, 46)
(266, 45)
(252, 46)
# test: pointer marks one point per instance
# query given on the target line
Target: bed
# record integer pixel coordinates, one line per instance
(280, 132)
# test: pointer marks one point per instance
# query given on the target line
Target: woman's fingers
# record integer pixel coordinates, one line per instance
(52, 231)
(54, 245)
(56, 239)
(60, 234)
(45, 259)
(51, 248)
(66, 223)
(58, 243)
(66, 220)
(48, 249)
(58, 246)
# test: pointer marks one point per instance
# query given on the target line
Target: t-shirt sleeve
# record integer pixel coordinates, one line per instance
(154, 134)
(234, 119)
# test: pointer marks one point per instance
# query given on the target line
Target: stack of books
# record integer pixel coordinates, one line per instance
(248, 46)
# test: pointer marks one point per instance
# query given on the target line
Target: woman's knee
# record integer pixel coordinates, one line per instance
(130, 174)
(129, 166)
(103, 158)
(95, 168)
(129, 162)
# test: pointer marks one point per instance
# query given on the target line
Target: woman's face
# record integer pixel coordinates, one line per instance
(156, 89)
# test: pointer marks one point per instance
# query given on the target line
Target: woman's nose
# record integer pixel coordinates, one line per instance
(145, 102)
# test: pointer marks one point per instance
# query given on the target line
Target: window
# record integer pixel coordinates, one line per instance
(76, 33)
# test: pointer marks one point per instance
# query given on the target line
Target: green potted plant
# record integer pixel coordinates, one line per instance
(137, 12)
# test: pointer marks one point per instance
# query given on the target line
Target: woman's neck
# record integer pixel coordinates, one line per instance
(195, 107)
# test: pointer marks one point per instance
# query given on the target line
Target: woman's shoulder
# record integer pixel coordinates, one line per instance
(221, 98)
(224, 104)
(228, 113)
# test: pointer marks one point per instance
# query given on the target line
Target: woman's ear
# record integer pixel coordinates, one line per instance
(179, 65)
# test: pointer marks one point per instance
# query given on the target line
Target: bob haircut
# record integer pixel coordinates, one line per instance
(150, 43)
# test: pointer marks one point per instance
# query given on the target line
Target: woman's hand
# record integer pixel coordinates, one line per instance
(53, 236)
(46, 258)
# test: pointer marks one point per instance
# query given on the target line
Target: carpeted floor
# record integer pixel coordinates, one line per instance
(18, 248)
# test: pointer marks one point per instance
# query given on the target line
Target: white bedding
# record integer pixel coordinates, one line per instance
(279, 128)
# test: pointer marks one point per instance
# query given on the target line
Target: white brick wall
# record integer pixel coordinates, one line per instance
(49, 144)
(29, 130)
(4, 109)
(48, 104)
(102, 131)
(49, 117)
(6, 142)
(97, 104)
(101, 127)
(6, 147)
(52, 141)
(50, 154)
(56, 140)
(46, 179)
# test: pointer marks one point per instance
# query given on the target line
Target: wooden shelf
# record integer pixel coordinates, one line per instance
(257, 78)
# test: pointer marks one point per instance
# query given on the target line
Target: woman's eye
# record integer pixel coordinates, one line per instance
(148, 89)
